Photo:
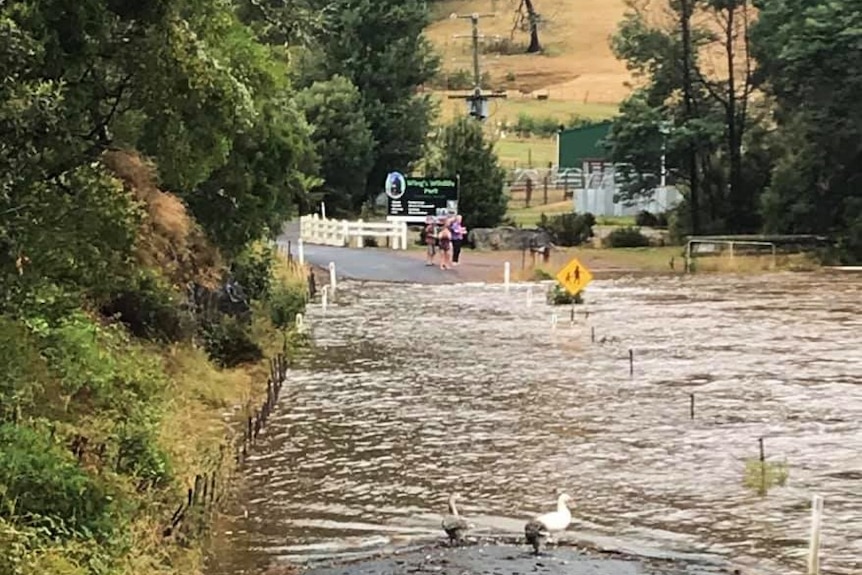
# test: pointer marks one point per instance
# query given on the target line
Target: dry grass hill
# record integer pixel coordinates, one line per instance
(577, 74)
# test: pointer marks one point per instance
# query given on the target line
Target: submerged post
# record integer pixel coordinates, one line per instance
(300, 322)
(762, 465)
(691, 406)
(507, 272)
(332, 278)
(593, 333)
(814, 543)
(631, 362)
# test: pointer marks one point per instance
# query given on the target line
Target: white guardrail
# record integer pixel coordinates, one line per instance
(316, 230)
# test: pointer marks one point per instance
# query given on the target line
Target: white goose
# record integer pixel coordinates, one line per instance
(538, 530)
(453, 524)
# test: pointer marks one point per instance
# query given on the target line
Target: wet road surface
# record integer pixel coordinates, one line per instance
(369, 264)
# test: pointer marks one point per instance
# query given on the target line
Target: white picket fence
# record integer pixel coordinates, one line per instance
(314, 229)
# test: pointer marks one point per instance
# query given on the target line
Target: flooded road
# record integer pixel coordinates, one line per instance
(416, 391)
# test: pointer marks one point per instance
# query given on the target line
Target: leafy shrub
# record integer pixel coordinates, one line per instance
(23, 370)
(627, 237)
(760, 476)
(98, 367)
(569, 229)
(558, 295)
(543, 127)
(649, 220)
(540, 275)
(151, 309)
(461, 79)
(503, 46)
(140, 456)
(43, 482)
(229, 342)
(252, 269)
(285, 302)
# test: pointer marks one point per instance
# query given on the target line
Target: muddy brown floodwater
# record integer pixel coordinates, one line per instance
(416, 391)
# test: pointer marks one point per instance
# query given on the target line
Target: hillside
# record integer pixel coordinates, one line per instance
(577, 72)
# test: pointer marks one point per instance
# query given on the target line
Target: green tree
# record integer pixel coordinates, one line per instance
(465, 151)
(380, 46)
(808, 55)
(186, 83)
(343, 141)
(262, 182)
(699, 120)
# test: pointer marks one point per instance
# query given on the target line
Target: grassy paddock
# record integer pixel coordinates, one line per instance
(529, 217)
(526, 152)
(750, 264)
(506, 110)
(578, 63)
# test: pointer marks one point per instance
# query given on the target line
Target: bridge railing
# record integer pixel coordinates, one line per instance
(314, 229)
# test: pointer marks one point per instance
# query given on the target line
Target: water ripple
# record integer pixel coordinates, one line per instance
(416, 391)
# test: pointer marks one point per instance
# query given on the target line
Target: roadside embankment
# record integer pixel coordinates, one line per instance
(121, 433)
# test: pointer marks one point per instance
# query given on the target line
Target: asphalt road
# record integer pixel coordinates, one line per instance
(377, 265)
(498, 558)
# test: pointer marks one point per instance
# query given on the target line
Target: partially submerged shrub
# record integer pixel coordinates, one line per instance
(760, 476)
(285, 302)
(569, 229)
(558, 295)
(540, 274)
(628, 237)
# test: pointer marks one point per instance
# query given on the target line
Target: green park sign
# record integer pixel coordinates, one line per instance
(414, 198)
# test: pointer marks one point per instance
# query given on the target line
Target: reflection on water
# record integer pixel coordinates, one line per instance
(416, 391)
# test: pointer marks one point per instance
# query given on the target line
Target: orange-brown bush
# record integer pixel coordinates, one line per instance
(169, 239)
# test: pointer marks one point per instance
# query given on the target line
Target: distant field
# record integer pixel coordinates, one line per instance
(526, 153)
(578, 75)
(529, 217)
(506, 110)
(577, 66)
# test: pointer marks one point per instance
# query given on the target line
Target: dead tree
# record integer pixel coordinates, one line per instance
(527, 19)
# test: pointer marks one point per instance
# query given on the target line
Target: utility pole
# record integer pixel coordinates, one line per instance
(477, 100)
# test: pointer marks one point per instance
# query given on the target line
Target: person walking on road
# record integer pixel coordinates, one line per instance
(445, 240)
(458, 234)
(430, 233)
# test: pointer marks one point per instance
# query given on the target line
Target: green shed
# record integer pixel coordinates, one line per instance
(576, 145)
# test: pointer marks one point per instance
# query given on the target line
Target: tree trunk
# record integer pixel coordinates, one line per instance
(734, 132)
(688, 96)
(737, 104)
(534, 46)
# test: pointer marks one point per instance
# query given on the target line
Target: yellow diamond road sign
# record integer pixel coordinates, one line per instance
(574, 276)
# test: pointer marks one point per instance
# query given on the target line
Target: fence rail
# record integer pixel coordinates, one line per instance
(539, 186)
(314, 229)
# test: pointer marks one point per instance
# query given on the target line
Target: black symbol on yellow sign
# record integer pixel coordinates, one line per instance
(576, 273)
